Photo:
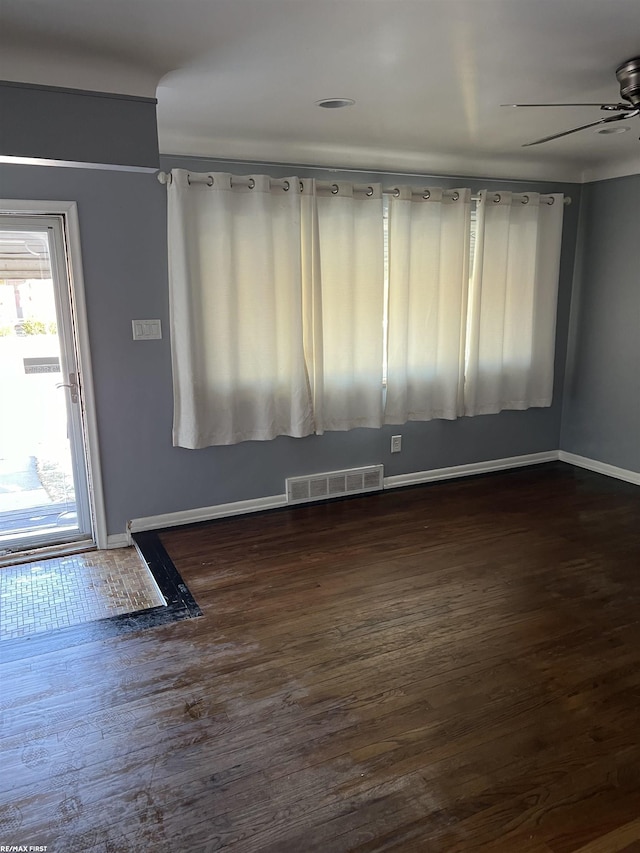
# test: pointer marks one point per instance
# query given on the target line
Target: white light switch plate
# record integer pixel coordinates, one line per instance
(146, 330)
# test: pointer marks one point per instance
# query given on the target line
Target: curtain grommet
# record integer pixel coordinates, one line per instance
(497, 198)
(251, 183)
(426, 195)
(455, 196)
(525, 199)
(551, 200)
(286, 186)
(188, 179)
(335, 189)
(395, 192)
(210, 180)
(369, 191)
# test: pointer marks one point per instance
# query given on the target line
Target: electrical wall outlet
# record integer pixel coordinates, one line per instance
(396, 443)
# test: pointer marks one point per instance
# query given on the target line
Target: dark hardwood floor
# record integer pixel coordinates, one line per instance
(453, 667)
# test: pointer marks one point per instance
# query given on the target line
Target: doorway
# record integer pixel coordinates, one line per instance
(45, 499)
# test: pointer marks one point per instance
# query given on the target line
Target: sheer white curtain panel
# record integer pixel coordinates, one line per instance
(345, 288)
(235, 284)
(428, 268)
(512, 305)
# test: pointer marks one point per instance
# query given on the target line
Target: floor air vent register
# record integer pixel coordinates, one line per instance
(334, 484)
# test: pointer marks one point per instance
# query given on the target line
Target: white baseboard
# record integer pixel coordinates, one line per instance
(192, 516)
(118, 540)
(600, 467)
(208, 513)
(417, 477)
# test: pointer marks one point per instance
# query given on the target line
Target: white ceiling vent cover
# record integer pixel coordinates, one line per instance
(334, 484)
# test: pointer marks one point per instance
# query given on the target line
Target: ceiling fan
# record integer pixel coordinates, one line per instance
(628, 75)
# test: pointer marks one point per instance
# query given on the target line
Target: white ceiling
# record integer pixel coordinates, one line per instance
(239, 79)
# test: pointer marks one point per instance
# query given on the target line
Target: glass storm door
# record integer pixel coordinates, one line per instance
(43, 471)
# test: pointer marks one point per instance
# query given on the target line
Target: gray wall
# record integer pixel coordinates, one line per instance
(601, 417)
(47, 122)
(123, 234)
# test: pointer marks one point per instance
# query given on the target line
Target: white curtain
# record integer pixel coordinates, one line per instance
(512, 304)
(428, 264)
(344, 261)
(277, 306)
(235, 275)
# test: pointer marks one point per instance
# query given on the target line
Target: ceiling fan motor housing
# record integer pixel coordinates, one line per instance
(628, 75)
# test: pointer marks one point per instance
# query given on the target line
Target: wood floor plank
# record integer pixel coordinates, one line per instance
(445, 668)
(620, 840)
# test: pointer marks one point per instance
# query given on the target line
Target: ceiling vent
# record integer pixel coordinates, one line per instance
(334, 484)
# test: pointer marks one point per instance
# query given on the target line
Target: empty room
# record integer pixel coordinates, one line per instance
(320, 433)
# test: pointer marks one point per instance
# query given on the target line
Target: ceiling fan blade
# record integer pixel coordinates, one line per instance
(601, 105)
(582, 127)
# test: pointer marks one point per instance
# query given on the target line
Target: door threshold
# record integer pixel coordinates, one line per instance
(46, 552)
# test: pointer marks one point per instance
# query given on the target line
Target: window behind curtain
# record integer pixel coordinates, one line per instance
(512, 302)
(298, 311)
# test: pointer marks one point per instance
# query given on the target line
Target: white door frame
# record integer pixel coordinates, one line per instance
(69, 211)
